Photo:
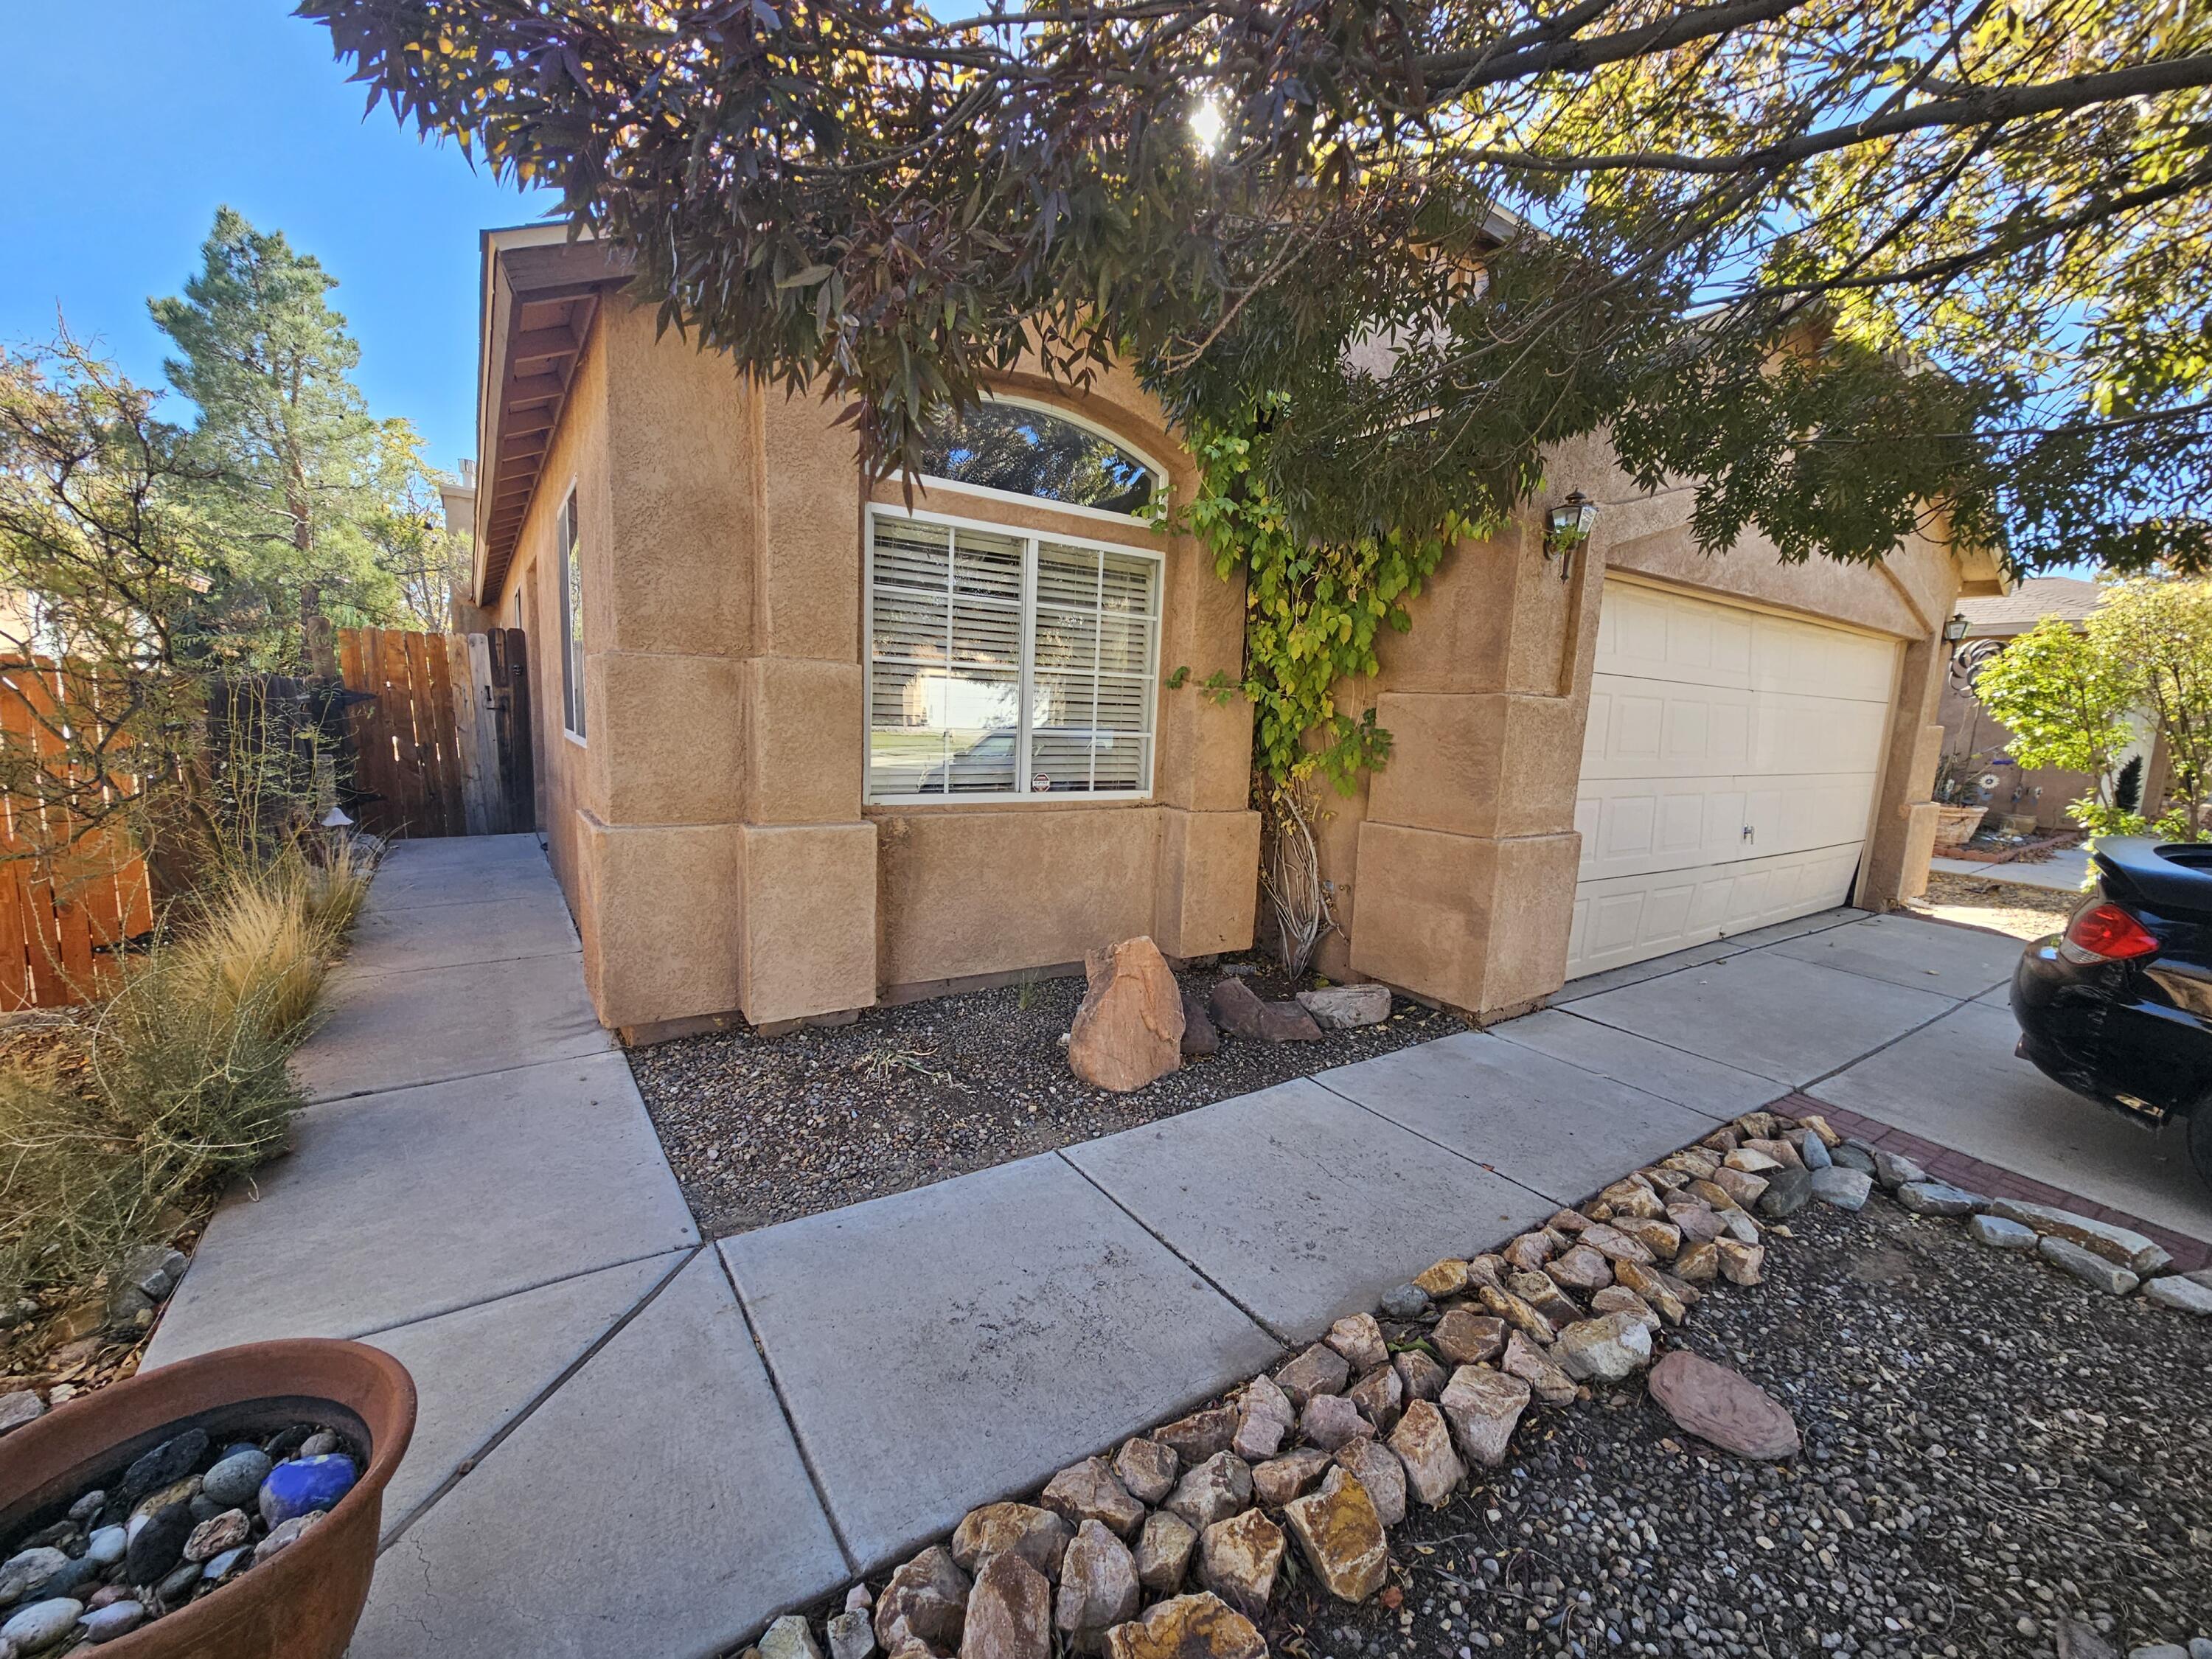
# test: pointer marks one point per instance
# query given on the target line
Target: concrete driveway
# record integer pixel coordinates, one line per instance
(632, 1440)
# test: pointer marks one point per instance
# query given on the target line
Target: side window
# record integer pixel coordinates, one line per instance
(571, 618)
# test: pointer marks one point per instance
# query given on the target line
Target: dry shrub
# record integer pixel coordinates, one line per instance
(179, 1080)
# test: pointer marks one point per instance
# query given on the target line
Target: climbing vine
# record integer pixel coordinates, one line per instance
(1312, 613)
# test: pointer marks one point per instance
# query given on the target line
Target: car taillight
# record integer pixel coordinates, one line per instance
(2106, 932)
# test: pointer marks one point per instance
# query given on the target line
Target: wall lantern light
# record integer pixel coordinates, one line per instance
(1567, 527)
(1954, 628)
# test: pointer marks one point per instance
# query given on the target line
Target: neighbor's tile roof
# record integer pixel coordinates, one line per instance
(2004, 615)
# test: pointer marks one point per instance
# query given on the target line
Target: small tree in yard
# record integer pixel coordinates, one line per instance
(2067, 696)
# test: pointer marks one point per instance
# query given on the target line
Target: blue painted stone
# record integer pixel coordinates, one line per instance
(293, 1488)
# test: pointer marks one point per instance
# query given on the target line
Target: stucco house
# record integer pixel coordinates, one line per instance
(1970, 732)
(809, 748)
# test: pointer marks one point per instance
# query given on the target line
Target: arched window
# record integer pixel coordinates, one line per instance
(1021, 449)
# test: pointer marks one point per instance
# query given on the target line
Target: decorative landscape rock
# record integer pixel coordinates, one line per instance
(1697, 1221)
(1852, 1154)
(1201, 1627)
(1039, 1536)
(1463, 1337)
(1744, 1189)
(1423, 1443)
(1089, 1492)
(1528, 1252)
(1699, 1265)
(1199, 1036)
(1482, 1405)
(35, 1628)
(1742, 1264)
(1662, 1238)
(1320, 1370)
(1654, 1289)
(1128, 1029)
(926, 1600)
(1098, 1587)
(1787, 1190)
(1240, 1014)
(1615, 1245)
(1445, 1278)
(1341, 1008)
(1238, 1560)
(1194, 1438)
(1359, 1339)
(2100, 1273)
(1147, 1468)
(2184, 1295)
(1580, 1268)
(1557, 1307)
(1279, 1479)
(1379, 1396)
(1723, 1406)
(1844, 1187)
(235, 1480)
(1330, 1419)
(301, 1484)
(1424, 1378)
(1009, 1612)
(1165, 1547)
(2126, 1245)
(1260, 1435)
(18, 1408)
(2000, 1234)
(1516, 1312)
(850, 1637)
(1894, 1170)
(1938, 1198)
(1619, 1298)
(1214, 1491)
(1377, 1469)
(1525, 1360)
(788, 1638)
(1407, 1301)
(1341, 1535)
(1606, 1349)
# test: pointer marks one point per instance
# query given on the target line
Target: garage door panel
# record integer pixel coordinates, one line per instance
(1708, 720)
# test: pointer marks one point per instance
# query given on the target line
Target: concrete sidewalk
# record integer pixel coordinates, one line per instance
(630, 1442)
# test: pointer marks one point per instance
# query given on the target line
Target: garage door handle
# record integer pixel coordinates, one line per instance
(1748, 834)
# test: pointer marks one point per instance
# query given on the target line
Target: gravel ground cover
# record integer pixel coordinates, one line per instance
(765, 1129)
(1989, 1447)
(2014, 908)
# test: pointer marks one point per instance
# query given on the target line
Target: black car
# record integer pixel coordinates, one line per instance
(2118, 1007)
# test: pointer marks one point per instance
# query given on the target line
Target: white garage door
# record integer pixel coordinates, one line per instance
(1729, 772)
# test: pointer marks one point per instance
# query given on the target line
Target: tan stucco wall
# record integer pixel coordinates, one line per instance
(1455, 867)
(711, 834)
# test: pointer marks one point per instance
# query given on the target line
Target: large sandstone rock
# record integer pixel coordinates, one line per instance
(1516, 1312)
(1163, 1550)
(1329, 1421)
(1723, 1406)
(1528, 1252)
(1265, 1416)
(1482, 1405)
(1580, 1268)
(1340, 1534)
(1742, 1264)
(1619, 1298)
(1445, 1278)
(1214, 1491)
(1340, 1007)
(1422, 1441)
(1662, 1238)
(1424, 1378)
(1098, 1587)
(1653, 1289)
(1009, 1612)
(1089, 1492)
(1038, 1536)
(1238, 1559)
(1377, 1467)
(1696, 1220)
(927, 1601)
(1188, 1627)
(1240, 1012)
(1129, 1030)
(1545, 1297)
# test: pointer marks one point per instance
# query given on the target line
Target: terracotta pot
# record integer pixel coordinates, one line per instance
(303, 1603)
(1955, 825)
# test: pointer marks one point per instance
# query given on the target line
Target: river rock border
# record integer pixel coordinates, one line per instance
(1172, 1547)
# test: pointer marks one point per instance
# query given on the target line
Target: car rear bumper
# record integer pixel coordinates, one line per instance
(2092, 1029)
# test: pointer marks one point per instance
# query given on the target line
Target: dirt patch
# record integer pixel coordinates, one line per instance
(2013, 908)
(765, 1129)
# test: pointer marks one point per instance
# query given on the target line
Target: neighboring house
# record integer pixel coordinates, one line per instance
(1993, 622)
(808, 748)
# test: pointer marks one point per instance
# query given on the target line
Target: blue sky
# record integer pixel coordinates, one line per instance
(125, 123)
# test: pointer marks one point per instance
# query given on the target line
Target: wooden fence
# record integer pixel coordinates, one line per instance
(442, 735)
(69, 897)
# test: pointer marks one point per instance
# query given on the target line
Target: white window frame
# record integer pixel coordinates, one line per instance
(1029, 538)
(926, 482)
(569, 569)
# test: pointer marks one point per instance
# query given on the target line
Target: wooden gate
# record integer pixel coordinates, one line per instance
(69, 896)
(442, 733)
